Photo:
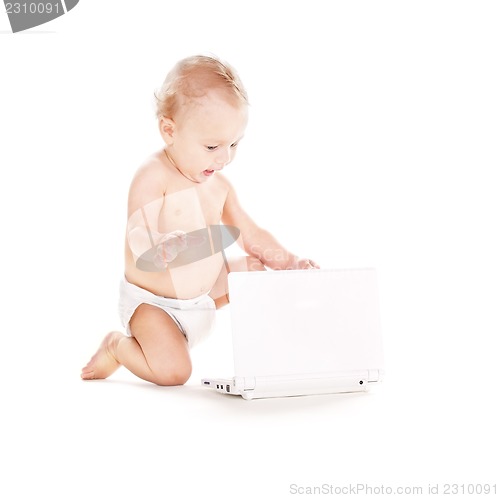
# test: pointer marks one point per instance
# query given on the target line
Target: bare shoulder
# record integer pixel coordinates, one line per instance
(224, 184)
(233, 213)
(149, 182)
(153, 171)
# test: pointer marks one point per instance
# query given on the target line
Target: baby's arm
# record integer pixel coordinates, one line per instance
(258, 242)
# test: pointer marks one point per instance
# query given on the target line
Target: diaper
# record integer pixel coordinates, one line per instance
(194, 317)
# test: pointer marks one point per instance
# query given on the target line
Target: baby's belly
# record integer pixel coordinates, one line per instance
(183, 282)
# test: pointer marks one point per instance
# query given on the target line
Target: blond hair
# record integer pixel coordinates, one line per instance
(191, 78)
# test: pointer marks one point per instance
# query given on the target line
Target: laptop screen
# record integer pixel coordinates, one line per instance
(305, 322)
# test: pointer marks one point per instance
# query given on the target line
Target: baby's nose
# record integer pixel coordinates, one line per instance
(222, 158)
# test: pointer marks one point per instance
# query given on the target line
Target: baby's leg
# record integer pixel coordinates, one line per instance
(219, 292)
(158, 351)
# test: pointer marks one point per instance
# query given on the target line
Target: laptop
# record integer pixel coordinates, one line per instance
(302, 332)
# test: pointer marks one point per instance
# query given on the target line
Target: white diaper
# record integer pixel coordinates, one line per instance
(194, 317)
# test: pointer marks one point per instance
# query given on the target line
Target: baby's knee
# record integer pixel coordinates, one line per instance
(172, 379)
(177, 376)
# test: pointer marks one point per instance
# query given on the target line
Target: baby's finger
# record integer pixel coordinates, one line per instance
(308, 264)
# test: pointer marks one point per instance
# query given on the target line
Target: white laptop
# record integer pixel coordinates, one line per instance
(300, 332)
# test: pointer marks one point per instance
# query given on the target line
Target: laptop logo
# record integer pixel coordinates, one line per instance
(24, 15)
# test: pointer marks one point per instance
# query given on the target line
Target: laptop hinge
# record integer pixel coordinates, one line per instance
(245, 383)
(375, 375)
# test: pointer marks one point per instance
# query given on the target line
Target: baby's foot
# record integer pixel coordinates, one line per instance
(103, 363)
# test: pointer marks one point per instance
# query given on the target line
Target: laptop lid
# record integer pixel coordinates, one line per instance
(305, 323)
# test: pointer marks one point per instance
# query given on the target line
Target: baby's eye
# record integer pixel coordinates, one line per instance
(211, 147)
(234, 145)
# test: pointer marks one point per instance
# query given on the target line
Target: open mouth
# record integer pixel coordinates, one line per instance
(209, 172)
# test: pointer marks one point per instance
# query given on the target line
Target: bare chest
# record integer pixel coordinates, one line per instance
(191, 209)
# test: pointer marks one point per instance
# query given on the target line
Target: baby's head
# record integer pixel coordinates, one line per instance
(202, 115)
(191, 79)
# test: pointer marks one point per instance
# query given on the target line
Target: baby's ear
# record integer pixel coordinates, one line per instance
(167, 127)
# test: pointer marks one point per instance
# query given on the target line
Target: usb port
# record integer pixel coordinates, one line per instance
(227, 388)
(206, 382)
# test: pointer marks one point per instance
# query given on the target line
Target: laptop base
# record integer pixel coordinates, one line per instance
(255, 388)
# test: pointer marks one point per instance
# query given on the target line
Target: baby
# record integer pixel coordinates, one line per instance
(175, 266)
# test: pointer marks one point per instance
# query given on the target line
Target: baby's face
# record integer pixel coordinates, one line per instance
(205, 137)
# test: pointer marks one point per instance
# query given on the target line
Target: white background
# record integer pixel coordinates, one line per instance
(373, 141)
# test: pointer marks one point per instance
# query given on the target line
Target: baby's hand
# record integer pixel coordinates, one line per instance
(304, 264)
(170, 246)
